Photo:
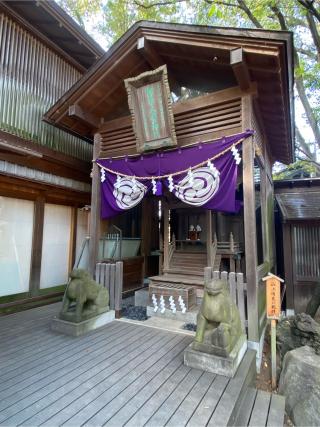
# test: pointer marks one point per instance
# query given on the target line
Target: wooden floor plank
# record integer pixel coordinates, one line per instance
(259, 414)
(189, 405)
(168, 408)
(224, 411)
(143, 352)
(64, 360)
(55, 349)
(129, 408)
(23, 318)
(143, 414)
(276, 411)
(117, 396)
(208, 404)
(59, 350)
(91, 369)
(53, 341)
(123, 374)
(246, 407)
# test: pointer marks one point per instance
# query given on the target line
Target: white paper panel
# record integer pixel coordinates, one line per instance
(16, 225)
(55, 247)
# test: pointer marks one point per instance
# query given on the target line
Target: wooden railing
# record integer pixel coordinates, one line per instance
(237, 289)
(110, 275)
(213, 251)
(229, 247)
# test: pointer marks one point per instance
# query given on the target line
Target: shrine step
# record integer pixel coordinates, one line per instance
(178, 278)
(261, 408)
(185, 271)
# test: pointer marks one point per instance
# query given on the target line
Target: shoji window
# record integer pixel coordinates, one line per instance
(56, 246)
(16, 226)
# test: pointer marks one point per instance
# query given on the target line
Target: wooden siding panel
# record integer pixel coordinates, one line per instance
(306, 252)
(198, 123)
(32, 78)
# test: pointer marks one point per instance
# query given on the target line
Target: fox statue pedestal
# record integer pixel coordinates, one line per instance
(85, 306)
(220, 342)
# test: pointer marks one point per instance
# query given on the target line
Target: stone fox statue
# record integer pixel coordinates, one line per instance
(218, 322)
(84, 298)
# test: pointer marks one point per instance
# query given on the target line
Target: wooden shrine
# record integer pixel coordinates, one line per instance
(222, 82)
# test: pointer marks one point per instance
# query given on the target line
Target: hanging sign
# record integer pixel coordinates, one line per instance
(149, 101)
(273, 293)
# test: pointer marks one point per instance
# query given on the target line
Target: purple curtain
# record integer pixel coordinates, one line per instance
(211, 185)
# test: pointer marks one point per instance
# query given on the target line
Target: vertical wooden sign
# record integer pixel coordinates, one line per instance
(151, 110)
(273, 297)
(273, 312)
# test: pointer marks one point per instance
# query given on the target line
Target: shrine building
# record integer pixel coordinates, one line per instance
(186, 122)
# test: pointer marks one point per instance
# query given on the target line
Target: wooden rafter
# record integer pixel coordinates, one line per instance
(155, 61)
(239, 67)
(84, 116)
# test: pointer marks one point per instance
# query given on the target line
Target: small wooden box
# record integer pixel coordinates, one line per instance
(188, 293)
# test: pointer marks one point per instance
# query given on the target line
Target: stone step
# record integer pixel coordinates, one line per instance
(261, 408)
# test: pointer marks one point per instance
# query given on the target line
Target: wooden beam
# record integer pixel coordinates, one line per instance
(86, 117)
(165, 237)
(288, 265)
(36, 253)
(155, 61)
(240, 69)
(209, 236)
(250, 237)
(95, 208)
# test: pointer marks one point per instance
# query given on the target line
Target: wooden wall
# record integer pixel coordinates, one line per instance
(199, 119)
(32, 78)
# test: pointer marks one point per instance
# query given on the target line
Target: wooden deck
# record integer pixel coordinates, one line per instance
(121, 374)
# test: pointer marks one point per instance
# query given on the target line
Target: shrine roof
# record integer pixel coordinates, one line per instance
(49, 22)
(198, 58)
(299, 205)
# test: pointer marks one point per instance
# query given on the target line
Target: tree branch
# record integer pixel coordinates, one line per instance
(307, 53)
(155, 4)
(299, 82)
(247, 11)
(309, 6)
(303, 145)
(314, 33)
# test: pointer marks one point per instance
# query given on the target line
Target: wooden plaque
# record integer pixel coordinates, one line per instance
(150, 105)
(273, 298)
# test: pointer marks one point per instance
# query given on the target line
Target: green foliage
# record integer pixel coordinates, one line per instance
(113, 17)
(302, 166)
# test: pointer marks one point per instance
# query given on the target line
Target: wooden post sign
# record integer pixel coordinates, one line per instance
(273, 296)
(273, 313)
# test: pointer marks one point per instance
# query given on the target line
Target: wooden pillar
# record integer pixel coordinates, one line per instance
(37, 238)
(250, 225)
(73, 237)
(95, 208)
(146, 230)
(288, 267)
(165, 237)
(209, 237)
